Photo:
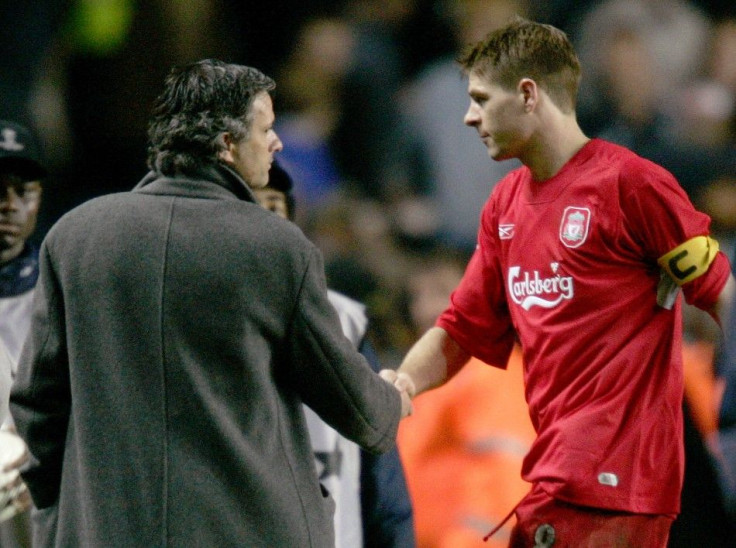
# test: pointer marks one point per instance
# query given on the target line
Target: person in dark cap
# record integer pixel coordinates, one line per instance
(22, 173)
(20, 149)
(373, 507)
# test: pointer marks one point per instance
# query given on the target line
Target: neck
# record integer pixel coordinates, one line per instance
(551, 150)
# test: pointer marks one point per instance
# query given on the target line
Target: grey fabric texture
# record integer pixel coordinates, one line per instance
(177, 331)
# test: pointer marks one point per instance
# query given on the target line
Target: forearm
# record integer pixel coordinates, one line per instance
(721, 308)
(428, 361)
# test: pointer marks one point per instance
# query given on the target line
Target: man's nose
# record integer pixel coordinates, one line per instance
(471, 117)
(277, 146)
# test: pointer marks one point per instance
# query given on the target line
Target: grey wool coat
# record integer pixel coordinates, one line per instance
(177, 330)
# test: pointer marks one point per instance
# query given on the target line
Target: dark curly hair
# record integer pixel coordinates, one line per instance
(200, 102)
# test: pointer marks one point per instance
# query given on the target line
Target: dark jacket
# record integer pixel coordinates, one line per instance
(177, 331)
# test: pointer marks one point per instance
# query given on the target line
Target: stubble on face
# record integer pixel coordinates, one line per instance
(266, 140)
(496, 113)
(252, 156)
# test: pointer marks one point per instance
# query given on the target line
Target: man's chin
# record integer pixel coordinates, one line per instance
(10, 248)
(499, 155)
(7, 241)
(495, 154)
(258, 182)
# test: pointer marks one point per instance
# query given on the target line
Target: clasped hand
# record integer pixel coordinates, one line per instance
(14, 496)
(403, 383)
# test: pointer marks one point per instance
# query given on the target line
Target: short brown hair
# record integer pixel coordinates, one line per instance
(525, 49)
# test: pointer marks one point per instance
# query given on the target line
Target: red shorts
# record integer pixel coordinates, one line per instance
(544, 521)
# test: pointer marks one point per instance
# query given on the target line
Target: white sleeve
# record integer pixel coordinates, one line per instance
(5, 381)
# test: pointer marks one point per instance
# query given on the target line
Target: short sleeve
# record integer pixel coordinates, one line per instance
(658, 216)
(478, 318)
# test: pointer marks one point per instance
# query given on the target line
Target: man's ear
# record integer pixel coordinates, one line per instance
(226, 155)
(530, 93)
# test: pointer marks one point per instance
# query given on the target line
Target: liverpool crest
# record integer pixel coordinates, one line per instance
(574, 226)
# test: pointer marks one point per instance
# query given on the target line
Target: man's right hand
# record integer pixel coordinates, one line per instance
(14, 496)
(403, 383)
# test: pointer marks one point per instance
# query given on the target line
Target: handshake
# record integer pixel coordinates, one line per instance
(403, 383)
(14, 497)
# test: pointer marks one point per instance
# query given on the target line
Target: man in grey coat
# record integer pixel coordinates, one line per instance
(177, 330)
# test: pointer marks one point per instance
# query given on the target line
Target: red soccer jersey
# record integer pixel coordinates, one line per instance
(569, 265)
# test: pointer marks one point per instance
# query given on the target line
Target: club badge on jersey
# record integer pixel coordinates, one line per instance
(574, 226)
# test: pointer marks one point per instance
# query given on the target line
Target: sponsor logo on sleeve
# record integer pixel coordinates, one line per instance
(574, 226)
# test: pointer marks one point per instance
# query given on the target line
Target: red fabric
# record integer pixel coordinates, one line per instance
(570, 265)
(703, 292)
(580, 527)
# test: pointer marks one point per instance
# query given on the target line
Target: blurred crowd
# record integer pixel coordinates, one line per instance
(369, 105)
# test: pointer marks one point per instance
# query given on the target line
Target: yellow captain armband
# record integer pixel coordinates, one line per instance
(689, 260)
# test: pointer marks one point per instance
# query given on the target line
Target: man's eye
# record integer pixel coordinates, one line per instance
(18, 188)
(26, 189)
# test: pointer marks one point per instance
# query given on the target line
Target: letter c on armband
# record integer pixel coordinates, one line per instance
(689, 260)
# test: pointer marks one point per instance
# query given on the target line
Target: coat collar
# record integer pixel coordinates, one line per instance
(215, 180)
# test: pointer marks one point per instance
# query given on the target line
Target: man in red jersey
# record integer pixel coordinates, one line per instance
(582, 253)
